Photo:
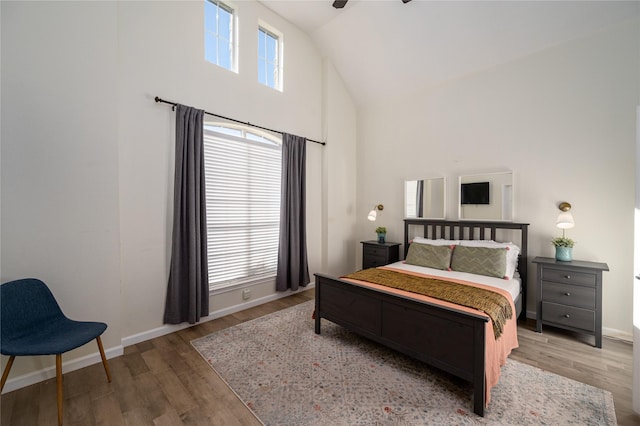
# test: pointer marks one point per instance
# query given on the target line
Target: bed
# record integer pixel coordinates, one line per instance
(452, 338)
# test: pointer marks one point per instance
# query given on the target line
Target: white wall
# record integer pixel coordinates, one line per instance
(340, 175)
(562, 119)
(636, 281)
(60, 218)
(87, 155)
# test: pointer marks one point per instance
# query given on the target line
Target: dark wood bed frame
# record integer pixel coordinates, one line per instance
(449, 339)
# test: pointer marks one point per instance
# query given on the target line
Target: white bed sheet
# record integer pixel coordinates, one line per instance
(512, 286)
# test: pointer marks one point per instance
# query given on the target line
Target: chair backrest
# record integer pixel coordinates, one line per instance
(24, 305)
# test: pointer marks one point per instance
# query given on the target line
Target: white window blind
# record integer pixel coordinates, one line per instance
(242, 171)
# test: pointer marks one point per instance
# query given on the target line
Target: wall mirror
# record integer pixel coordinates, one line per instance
(424, 198)
(487, 196)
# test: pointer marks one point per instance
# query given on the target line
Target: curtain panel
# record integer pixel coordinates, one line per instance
(420, 199)
(293, 269)
(188, 288)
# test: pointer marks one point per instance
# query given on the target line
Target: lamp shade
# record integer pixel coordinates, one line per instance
(565, 220)
(373, 214)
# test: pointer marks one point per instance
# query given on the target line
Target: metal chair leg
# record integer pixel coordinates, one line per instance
(6, 371)
(59, 383)
(104, 359)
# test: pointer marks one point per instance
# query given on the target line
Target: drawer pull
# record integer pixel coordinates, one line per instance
(567, 294)
(568, 277)
(566, 316)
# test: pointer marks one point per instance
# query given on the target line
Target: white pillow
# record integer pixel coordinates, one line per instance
(512, 253)
(438, 242)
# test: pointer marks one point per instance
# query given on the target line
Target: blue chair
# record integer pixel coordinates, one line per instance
(32, 323)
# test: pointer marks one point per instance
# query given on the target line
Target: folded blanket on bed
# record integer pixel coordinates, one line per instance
(493, 304)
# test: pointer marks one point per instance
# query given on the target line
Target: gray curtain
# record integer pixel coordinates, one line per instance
(420, 199)
(293, 269)
(188, 287)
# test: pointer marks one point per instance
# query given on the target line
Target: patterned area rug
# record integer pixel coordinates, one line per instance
(288, 375)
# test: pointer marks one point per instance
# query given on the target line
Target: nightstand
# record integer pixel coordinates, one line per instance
(569, 296)
(379, 254)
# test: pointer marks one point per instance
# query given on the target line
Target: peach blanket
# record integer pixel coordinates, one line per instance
(496, 350)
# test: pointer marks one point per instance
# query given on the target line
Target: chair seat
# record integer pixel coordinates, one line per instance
(55, 337)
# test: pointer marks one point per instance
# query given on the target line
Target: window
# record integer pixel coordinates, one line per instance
(219, 40)
(269, 58)
(242, 172)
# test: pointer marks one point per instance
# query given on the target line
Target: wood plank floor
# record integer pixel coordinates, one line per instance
(164, 381)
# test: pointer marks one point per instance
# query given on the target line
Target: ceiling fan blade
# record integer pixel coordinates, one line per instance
(339, 4)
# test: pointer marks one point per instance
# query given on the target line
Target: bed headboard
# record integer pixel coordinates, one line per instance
(473, 230)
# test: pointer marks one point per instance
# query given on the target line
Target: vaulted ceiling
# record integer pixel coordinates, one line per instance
(384, 48)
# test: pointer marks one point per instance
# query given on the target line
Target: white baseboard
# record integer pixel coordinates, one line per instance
(85, 361)
(67, 367)
(607, 332)
(167, 329)
(617, 334)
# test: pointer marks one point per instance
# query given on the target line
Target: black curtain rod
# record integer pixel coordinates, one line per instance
(173, 104)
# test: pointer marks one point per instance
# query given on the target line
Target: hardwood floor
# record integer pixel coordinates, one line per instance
(571, 355)
(164, 381)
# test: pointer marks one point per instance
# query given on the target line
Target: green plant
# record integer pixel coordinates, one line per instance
(381, 230)
(562, 242)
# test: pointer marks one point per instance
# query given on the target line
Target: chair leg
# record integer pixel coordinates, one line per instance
(6, 371)
(59, 383)
(104, 358)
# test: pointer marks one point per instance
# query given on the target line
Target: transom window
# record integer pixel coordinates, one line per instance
(219, 40)
(269, 58)
(242, 173)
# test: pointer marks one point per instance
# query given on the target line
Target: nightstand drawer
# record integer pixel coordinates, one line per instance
(573, 295)
(569, 277)
(570, 316)
(374, 261)
(370, 250)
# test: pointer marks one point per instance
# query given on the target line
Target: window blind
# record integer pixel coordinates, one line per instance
(243, 206)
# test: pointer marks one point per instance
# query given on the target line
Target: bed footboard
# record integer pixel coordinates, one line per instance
(446, 338)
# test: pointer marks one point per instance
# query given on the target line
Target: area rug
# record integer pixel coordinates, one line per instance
(288, 375)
